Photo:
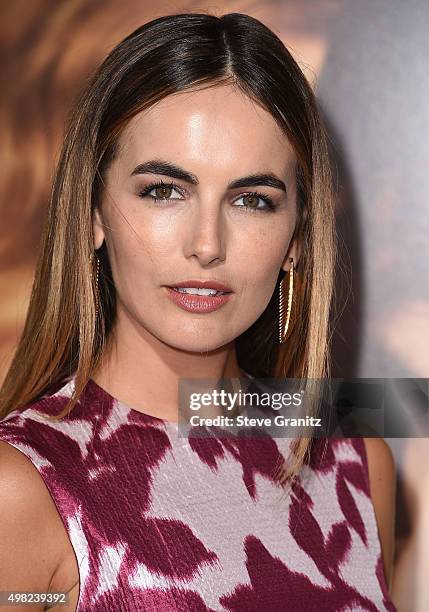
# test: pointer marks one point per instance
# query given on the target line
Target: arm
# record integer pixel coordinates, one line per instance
(29, 551)
(382, 475)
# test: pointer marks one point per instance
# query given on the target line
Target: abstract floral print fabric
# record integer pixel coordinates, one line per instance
(160, 522)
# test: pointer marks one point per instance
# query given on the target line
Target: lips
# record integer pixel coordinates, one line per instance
(199, 284)
(198, 303)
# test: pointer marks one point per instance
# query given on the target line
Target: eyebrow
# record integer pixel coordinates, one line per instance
(159, 166)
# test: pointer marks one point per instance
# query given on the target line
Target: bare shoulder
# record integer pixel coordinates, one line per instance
(382, 476)
(31, 531)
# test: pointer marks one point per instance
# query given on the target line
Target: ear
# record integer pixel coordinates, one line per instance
(294, 251)
(97, 228)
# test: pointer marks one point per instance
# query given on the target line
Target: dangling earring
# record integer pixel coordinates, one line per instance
(91, 259)
(284, 324)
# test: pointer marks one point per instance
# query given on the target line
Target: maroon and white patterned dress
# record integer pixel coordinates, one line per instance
(160, 522)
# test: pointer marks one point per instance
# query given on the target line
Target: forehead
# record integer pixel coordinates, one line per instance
(216, 127)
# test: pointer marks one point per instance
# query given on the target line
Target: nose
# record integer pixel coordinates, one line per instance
(207, 235)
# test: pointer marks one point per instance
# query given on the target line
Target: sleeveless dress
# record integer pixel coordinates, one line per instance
(164, 523)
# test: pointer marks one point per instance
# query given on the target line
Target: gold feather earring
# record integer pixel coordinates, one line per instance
(284, 323)
(91, 259)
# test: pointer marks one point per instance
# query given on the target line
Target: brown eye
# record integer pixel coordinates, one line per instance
(252, 201)
(160, 192)
(256, 202)
(163, 192)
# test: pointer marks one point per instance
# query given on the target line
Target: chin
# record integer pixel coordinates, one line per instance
(195, 341)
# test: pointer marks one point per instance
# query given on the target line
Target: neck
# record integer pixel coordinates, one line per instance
(143, 372)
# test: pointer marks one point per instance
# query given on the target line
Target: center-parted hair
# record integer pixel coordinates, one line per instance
(172, 54)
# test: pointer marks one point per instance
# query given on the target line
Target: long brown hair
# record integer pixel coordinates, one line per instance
(180, 52)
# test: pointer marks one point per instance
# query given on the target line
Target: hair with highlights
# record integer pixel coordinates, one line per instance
(175, 53)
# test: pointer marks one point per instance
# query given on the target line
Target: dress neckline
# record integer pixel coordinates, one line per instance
(126, 408)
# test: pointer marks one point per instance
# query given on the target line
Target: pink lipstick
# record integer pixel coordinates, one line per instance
(199, 296)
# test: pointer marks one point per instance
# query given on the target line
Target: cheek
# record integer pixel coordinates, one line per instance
(152, 235)
(135, 252)
(260, 256)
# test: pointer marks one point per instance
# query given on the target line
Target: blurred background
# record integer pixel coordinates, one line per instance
(367, 62)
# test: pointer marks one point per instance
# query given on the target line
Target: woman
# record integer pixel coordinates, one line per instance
(195, 161)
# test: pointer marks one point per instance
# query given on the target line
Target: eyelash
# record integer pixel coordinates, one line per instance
(270, 206)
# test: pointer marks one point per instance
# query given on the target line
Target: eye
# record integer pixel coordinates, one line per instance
(253, 198)
(162, 191)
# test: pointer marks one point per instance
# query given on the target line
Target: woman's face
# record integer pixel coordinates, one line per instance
(205, 228)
